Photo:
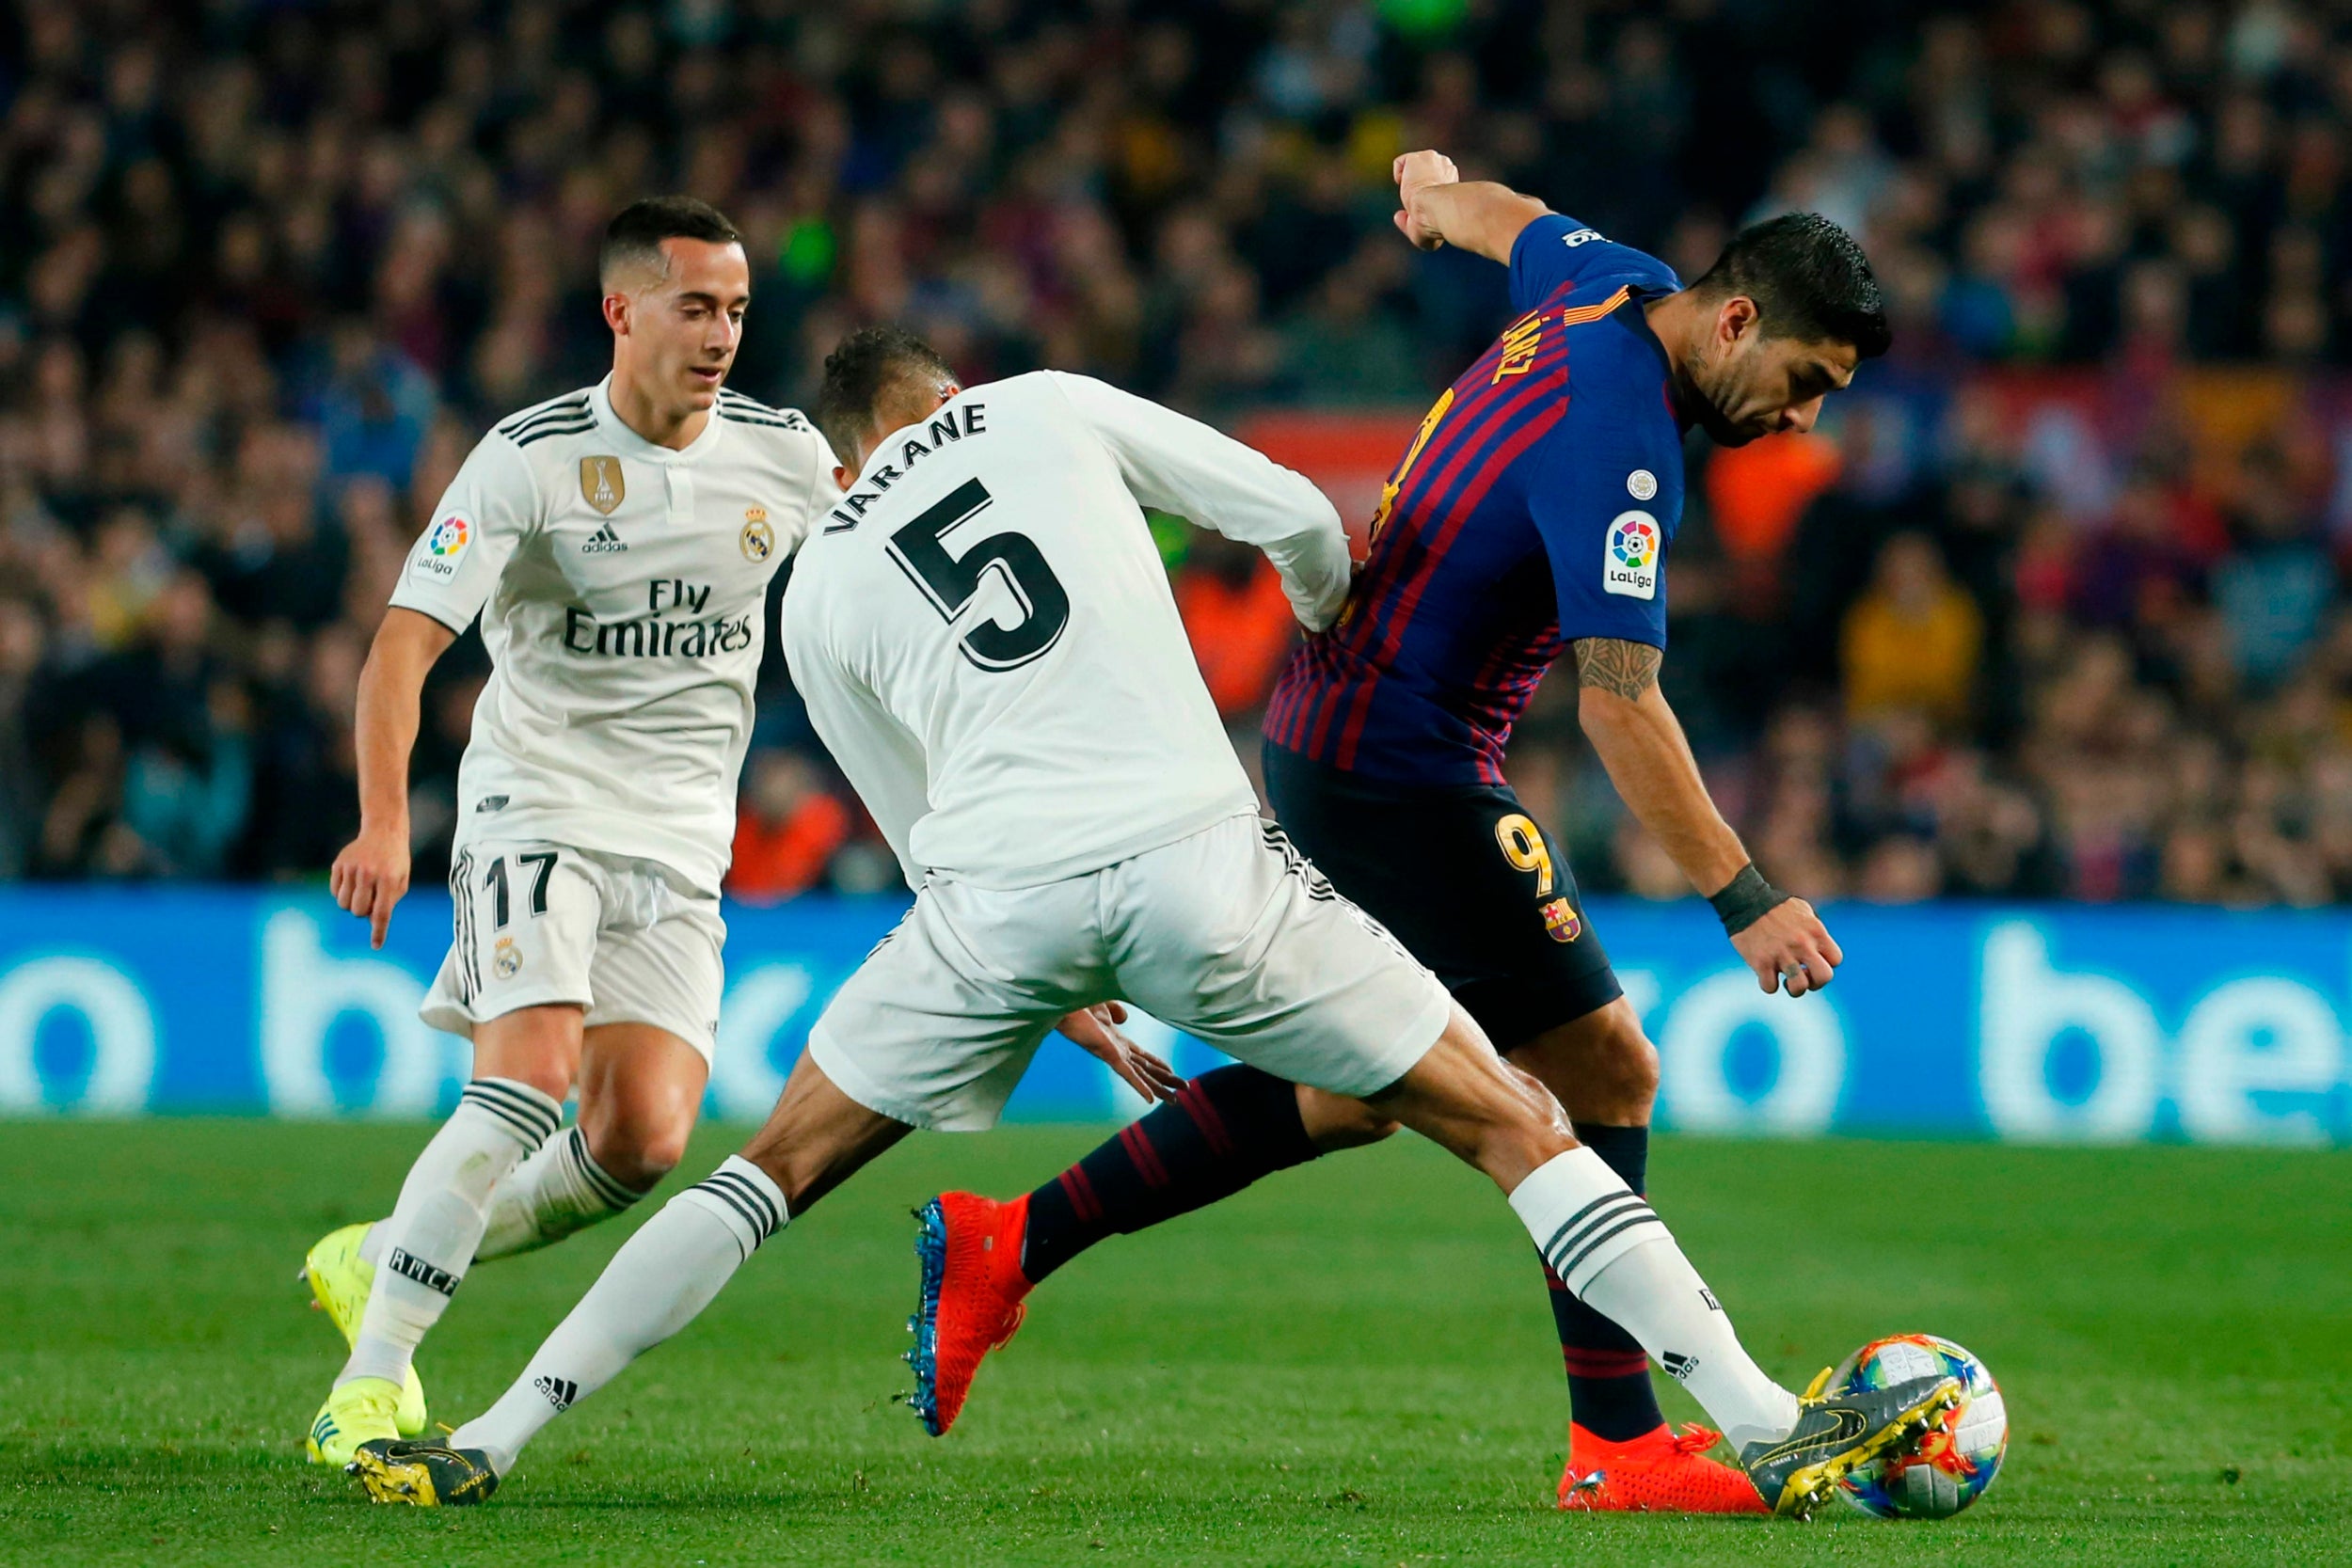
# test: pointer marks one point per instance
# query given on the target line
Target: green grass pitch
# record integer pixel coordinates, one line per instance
(1351, 1363)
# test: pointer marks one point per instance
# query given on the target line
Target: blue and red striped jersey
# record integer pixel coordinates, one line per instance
(1536, 505)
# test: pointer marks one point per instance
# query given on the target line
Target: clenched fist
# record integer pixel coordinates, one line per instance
(1417, 172)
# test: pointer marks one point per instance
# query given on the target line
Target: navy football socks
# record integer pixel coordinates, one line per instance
(1234, 1125)
(1609, 1387)
(1227, 1128)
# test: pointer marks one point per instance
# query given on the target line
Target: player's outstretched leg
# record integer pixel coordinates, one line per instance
(1608, 1246)
(980, 1259)
(666, 1274)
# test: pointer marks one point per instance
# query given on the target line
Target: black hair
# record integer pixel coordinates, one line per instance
(1809, 281)
(862, 367)
(637, 230)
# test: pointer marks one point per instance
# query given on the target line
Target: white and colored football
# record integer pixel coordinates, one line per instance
(1958, 1459)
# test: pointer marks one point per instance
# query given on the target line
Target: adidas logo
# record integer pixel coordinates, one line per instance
(560, 1391)
(1679, 1367)
(603, 542)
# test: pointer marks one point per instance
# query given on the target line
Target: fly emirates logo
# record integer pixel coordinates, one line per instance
(674, 626)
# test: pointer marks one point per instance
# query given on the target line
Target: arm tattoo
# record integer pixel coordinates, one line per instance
(1625, 668)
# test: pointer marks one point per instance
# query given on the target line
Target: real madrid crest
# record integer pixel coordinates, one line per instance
(601, 485)
(758, 539)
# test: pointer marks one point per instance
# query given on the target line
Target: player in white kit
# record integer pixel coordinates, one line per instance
(987, 640)
(618, 543)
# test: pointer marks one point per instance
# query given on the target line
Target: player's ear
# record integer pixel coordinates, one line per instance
(616, 312)
(841, 478)
(1735, 318)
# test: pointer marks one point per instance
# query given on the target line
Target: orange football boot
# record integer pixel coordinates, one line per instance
(972, 1291)
(1658, 1472)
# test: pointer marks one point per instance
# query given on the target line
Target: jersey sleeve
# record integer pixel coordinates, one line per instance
(879, 755)
(1182, 466)
(488, 509)
(1607, 549)
(1556, 249)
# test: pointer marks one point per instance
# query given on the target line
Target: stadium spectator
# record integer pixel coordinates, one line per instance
(1240, 624)
(276, 265)
(786, 829)
(1912, 642)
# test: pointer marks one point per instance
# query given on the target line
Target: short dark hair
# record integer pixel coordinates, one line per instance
(862, 367)
(635, 234)
(1809, 281)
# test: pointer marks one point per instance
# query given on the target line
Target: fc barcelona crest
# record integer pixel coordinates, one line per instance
(1560, 921)
(600, 483)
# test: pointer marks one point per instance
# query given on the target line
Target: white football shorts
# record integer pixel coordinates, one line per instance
(1229, 935)
(630, 941)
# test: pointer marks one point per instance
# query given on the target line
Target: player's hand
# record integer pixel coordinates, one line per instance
(1416, 172)
(368, 877)
(1790, 948)
(1095, 1031)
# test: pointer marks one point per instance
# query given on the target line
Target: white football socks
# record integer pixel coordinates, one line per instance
(557, 1192)
(424, 1250)
(655, 1286)
(1620, 1259)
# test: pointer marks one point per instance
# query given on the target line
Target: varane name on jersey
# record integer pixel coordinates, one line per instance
(986, 640)
(620, 586)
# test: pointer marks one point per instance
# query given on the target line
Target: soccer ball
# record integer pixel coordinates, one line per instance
(1958, 1459)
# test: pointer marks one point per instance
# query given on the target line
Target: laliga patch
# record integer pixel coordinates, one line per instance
(435, 558)
(1560, 921)
(1629, 563)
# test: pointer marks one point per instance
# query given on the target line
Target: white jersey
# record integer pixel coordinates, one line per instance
(986, 639)
(621, 587)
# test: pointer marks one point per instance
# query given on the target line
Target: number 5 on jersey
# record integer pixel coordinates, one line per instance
(949, 581)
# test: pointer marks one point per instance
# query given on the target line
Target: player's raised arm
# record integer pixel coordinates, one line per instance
(1437, 207)
(371, 873)
(1180, 465)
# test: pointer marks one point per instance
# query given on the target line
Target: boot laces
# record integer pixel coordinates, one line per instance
(1694, 1438)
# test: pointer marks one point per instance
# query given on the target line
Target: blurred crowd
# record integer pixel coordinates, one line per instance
(2050, 607)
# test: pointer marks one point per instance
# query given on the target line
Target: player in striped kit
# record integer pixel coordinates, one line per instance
(1533, 512)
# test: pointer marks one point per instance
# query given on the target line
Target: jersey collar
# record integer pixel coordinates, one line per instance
(1635, 319)
(617, 429)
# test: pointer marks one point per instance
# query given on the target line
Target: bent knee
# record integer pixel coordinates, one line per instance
(1601, 1067)
(636, 1152)
(1636, 1063)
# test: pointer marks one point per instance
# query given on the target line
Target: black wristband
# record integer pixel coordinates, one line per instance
(1745, 899)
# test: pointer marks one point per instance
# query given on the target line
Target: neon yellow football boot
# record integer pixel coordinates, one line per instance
(340, 1280)
(358, 1412)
